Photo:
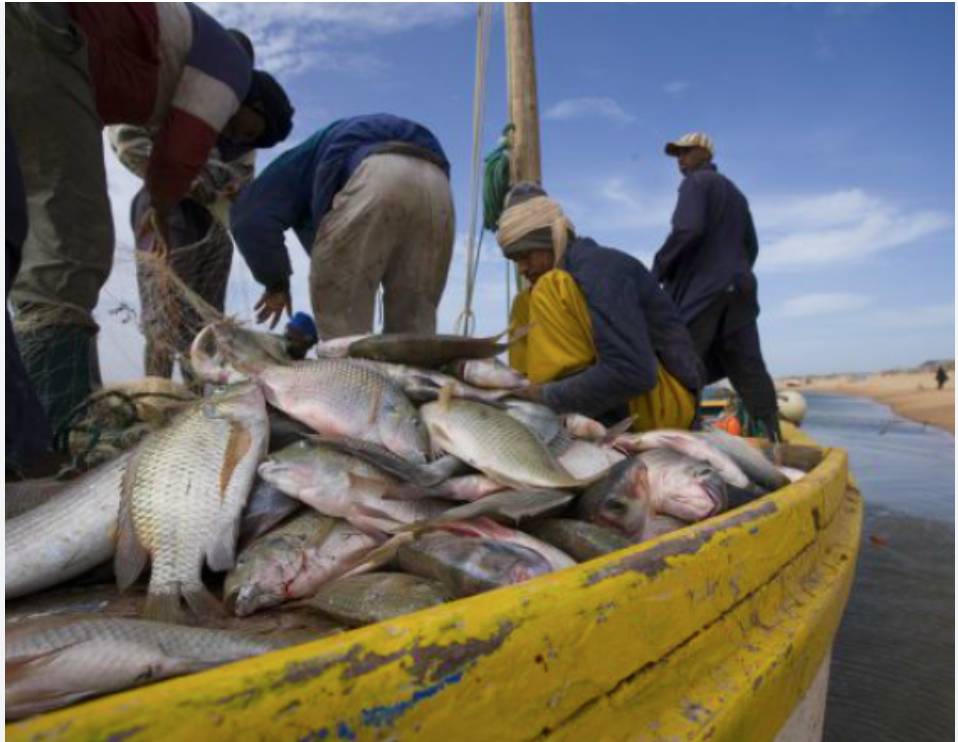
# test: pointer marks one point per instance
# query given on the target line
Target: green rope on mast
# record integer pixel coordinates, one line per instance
(496, 180)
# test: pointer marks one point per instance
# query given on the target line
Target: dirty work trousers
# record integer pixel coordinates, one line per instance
(201, 253)
(730, 348)
(560, 343)
(27, 432)
(392, 225)
(68, 252)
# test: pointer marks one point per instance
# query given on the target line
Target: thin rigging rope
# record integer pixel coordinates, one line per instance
(467, 319)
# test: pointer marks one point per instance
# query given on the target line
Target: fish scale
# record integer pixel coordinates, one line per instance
(345, 398)
(185, 494)
(496, 444)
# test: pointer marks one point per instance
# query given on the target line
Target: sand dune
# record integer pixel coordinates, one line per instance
(914, 395)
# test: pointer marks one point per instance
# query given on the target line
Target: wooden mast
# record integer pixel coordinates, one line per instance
(523, 93)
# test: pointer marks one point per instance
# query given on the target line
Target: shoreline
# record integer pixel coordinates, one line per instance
(911, 395)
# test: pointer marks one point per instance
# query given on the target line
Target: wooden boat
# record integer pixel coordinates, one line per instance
(721, 631)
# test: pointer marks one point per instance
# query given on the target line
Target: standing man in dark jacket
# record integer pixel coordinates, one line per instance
(706, 266)
(369, 199)
(604, 340)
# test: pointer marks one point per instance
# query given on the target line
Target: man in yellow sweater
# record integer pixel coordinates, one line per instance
(604, 339)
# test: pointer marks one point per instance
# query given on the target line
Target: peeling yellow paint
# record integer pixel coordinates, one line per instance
(713, 632)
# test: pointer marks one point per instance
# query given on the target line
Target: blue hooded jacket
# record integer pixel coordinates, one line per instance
(297, 189)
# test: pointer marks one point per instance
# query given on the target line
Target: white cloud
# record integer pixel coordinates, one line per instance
(291, 38)
(676, 87)
(812, 305)
(580, 108)
(801, 232)
(935, 315)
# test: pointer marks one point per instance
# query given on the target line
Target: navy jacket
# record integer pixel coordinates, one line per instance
(712, 248)
(297, 189)
(635, 327)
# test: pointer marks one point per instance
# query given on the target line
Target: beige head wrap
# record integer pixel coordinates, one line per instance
(536, 213)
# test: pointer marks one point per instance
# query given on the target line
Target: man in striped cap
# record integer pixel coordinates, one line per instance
(71, 69)
(604, 340)
(706, 266)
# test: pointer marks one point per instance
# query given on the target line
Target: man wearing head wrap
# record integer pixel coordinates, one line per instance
(300, 335)
(369, 199)
(71, 68)
(604, 340)
(706, 266)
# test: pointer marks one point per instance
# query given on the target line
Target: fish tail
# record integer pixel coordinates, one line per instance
(166, 604)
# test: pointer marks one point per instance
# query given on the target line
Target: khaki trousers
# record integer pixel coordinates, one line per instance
(392, 225)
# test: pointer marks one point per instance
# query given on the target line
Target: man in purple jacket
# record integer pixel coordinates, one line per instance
(706, 266)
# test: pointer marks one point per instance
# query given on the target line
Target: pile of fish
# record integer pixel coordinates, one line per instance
(389, 475)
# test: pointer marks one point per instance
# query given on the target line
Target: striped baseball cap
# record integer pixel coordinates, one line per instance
(693, 139)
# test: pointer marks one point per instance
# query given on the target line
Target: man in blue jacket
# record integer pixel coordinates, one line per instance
(706, 266)
(369, 199)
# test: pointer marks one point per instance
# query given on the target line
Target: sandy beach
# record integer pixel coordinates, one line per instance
(911, 394)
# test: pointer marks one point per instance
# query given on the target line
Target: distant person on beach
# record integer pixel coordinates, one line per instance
(706, 266)
(603, 338)
(941, 377)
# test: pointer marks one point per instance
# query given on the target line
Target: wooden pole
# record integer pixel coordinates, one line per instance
(523, 93)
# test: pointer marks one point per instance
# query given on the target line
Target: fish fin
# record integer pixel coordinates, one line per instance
(165, 606)
(19, 668)
(381, 555)
(445, 396)
(221, 553)
(131, 556)
(518, 334)
(620, 428)
(561, 443)
(202, 602)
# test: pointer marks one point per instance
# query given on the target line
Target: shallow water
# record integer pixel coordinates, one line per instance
(893, 669)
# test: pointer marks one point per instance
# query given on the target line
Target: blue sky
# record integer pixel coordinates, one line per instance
(836, 120)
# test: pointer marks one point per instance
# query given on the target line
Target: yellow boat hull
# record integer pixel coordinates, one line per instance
(716, 632)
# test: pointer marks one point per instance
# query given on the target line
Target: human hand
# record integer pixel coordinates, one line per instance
(532, 393)
(271, 305)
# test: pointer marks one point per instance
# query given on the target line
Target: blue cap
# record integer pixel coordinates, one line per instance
(304, 323)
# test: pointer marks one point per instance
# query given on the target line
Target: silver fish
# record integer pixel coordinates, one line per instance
(468, 566)
(580, 540)
(425, 385)
(621, 500)
(342, 486)
(757, 468)
(684, 487)
(20, 497)
(494, 443)
(337, 347)
(55, 662)
(183, 495)
(512, 506)
(342, 398)
(693, 445)
(486, 528)
(587, 460)
(293, 561)
(425, 351)
(379, 596)
(488, 373)
(67, 535)
(227, 353)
